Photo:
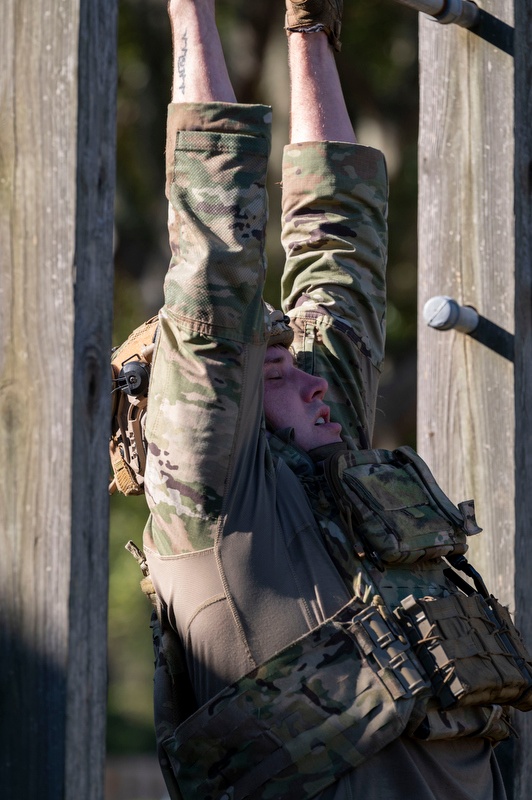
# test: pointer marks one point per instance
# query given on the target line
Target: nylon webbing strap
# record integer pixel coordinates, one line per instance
(130, 367)
(123, 479)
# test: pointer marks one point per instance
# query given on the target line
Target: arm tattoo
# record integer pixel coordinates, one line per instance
(181, 62)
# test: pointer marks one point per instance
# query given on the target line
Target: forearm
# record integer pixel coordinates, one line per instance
(317, 110)
(199, 71)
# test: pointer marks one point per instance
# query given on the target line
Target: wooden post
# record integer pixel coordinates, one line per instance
(523, 362)
(474, 421)
(57, 85)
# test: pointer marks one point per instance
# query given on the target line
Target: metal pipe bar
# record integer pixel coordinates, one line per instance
(462, 12)
(443, 313)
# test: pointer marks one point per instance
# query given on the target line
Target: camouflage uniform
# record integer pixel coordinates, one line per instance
(235, 549)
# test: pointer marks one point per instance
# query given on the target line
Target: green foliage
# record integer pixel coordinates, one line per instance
(130, 667)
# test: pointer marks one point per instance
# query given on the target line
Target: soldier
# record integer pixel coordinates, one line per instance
(247, 549)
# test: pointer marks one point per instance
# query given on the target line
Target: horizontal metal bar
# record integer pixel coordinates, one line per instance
(462, 12)
(443, 313)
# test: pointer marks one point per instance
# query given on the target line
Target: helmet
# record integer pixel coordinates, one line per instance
(281, 332)
(131, 367)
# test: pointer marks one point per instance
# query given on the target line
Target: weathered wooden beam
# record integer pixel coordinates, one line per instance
(475, 224)
(523, 362)
(57, 78)
(466, 251)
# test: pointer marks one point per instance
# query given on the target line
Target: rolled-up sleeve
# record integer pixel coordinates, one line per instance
(205, 405)
(335, 239)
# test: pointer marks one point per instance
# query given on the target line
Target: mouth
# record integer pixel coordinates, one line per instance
(323, 417)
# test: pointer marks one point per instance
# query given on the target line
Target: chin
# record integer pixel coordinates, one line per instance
(320, 439)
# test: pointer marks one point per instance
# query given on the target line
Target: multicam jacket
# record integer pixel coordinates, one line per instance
(235, 549)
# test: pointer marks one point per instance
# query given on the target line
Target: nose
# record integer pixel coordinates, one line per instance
(314, 387)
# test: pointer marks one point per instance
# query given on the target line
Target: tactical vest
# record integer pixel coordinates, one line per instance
(384, 517)
(428, 655)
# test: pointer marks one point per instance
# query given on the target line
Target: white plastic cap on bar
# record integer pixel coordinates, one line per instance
(444, 314)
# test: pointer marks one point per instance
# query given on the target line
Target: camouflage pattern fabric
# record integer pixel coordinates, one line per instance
(213, 309)
(492, 722)
(391, 511)
(214, 313)
(236, 552)
(334, 281)
(364, 576)
(471, 658)
(325, 703)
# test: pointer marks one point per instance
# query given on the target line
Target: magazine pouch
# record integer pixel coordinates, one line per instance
(491, 722)
(393, 509)
(310, 714)
(470, 649)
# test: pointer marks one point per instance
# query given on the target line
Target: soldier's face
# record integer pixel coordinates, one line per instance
(294, 399)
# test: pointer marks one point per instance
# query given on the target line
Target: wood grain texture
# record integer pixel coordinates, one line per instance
(523, 363)
(466, 236)
(93, 303)
(475, 228)
(52, 487)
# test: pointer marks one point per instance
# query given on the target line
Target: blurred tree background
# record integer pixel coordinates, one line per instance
(378, 67)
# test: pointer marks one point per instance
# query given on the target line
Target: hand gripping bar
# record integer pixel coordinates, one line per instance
(461, 12)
